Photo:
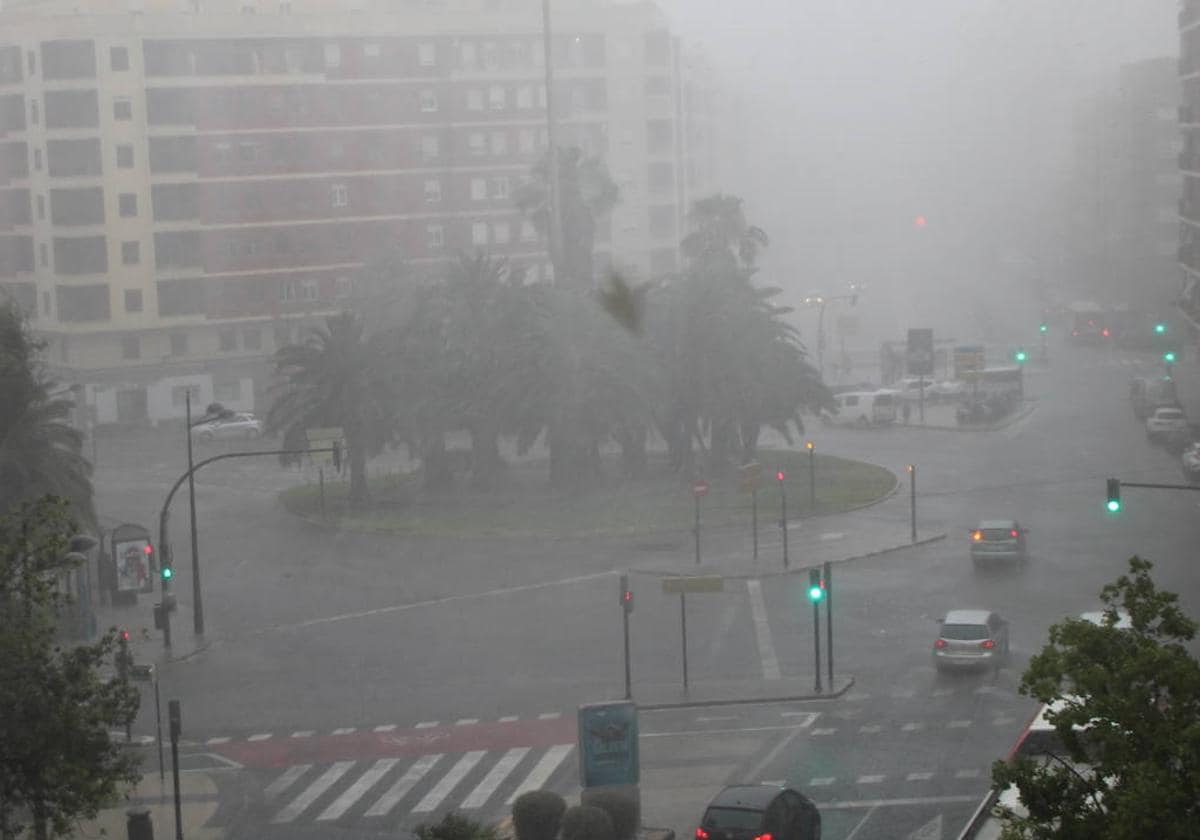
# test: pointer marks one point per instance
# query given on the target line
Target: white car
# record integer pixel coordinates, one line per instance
(1166, 421)
(946, 388)
(240, 425)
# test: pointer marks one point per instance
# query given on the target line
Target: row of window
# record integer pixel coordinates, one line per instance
(65, 109)
(60, 60)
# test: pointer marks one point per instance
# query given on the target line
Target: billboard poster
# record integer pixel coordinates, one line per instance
(133, 568)
(608, 744)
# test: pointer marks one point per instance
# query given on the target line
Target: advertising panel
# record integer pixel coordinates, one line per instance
(608, 744)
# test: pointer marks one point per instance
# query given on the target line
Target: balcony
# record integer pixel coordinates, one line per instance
(1189, 14)
(1189, 210)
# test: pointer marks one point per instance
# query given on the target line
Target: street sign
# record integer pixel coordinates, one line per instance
(919, 352)
(323, 439)
(750, 476)
(968, 361)
(699, 488)
(693, 583)
(608, 744)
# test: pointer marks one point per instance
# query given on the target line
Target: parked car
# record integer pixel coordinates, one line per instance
(1166, 421)
(946, 389)
(863, 408)
(998, 539)
(750, 812)
(239, 425)
(971, 639)
(1150, 393)
(1190, 461)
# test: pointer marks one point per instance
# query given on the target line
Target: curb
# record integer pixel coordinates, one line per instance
(890, 549)
(784, 698)
(991, 427)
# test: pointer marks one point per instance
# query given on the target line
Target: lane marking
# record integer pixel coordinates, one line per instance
(355, 792)
(303, 733)
(549, 715)
(967, 773)
(762, 631)
(850, 805)
(734, 730)
(958, 724)
(704, 719)
(345, 730)
(221, 740)
(466, 721)
(426, 724)
(832, 535)
(310, 794)
(827, 731)
(912, 727)
(484, 790)
(870, 728)
(387, 727)
(403, 785)
(286, 780)
(509, 719)
(542, 771)
(870, 813)
(918, 777)
(262, 736)
(869, 780)
(821, 781)
(1003, 721)
(449, 782)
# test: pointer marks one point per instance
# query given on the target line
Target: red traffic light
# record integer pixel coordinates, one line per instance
(920, 221)
(780, 476)
(124, 635)
(149, 549)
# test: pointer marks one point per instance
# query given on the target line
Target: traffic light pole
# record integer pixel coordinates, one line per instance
(816, 642)
(829, 620)
(912, 498)
(783, 521)
(198, 604)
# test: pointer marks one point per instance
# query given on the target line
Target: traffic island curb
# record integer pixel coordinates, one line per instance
(1024, 412)
(847, 682)
(895, 548)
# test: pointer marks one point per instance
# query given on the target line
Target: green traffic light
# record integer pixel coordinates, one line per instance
(1042, 328)
(816, 594)
(167, 573)
(1020, 355)
(1160, 328)
(1169, 357)
(1114, 505)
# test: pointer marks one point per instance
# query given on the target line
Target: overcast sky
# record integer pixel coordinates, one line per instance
(861, 114)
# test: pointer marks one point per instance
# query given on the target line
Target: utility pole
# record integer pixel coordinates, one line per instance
(912, 498)
(197, 602)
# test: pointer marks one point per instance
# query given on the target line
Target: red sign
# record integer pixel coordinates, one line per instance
(699, 488)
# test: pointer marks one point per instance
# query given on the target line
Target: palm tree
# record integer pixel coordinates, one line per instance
(719, 228)
(40, 452)
(334, 379)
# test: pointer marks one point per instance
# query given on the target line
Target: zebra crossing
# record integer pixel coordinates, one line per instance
(419, 785)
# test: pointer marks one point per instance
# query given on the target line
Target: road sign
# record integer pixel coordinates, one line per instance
(919, 355)
(699, 488)
(693, 583)
(750, 476)
(608, 744)
(323, 439)
(968, 361)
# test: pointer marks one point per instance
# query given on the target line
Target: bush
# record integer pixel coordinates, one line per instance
(586, 822)
(454, 827)
(621, 806)
(537, 814)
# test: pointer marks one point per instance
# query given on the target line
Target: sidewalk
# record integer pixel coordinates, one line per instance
(198, 803)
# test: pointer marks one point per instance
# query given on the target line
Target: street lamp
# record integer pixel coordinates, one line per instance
(820, 302)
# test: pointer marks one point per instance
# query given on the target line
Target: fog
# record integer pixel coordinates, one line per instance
(858, 116)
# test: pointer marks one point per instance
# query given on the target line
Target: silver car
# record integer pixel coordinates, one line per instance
(240, 425)
(971, 639)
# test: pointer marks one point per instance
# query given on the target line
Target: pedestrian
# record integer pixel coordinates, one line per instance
(906, 410)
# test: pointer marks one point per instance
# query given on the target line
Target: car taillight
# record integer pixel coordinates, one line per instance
(701, 834)
(766, 835)
(987, 644)
(1014, 533)
(1105, 333)
(977, 535)
(939, 644)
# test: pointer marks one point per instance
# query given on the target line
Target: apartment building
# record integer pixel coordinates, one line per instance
(187, 186)
(1189, 161)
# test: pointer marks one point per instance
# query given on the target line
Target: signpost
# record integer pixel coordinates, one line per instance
(684, 585)
(323, 439)
(699, 488)
(750, 480)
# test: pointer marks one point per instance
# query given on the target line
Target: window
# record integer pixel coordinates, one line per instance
(340, 195)
(82, 303)
(127, 204)
(37, 159)
(252, 338)
(491, 55)
(45, 303)
(500, 187)
(308, 289)
(287, 291)
(226, 392)
(479, 233)
(43, 255)
(499, 143)
(32, 62)
(477, 143)
(118, 58)
(226, 340)
(478, 189)
(528, 231)
(122, 110)
(525, 141)
(433, 191)
(474, 100)
(435, 237)
(497, 98)
(371, 50)
(466, 54)
(133, 300)
(131, 253)
(341, 288)
(426, 54)
(429, 102)
(500, 233)
(429, 147)
(41, 206)
(124, 156)
(131, 347)
(179, 344)
(33, 111)
(333, 56)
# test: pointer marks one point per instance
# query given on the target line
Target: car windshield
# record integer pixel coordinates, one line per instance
(739, 818)
(965, 631)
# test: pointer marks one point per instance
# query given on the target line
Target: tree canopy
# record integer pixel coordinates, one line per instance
(1126, 709)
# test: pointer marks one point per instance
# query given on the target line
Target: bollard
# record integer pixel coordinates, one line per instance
(138, 824)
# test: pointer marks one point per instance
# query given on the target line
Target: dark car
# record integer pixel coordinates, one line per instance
(760, 812)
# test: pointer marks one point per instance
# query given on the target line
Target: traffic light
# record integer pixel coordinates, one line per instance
(337, 455)
(167, 573)
(809, 445)
(816, 586)
(1169, 357)
(780, 475)
(1020, 355)
(124, 658)
(1042, 327)
(1160, 328)
(626, 594)
(1113, 505)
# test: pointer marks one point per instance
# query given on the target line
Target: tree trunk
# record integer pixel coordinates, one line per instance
(485, 454)
(436, 472)
(632, 440)
(357, 456)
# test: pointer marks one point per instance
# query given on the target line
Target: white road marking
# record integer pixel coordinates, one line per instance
(355, 792)
(809, 717)
(932, 830)
(821, 781)
(345, 730)
(1003, 721)
(918, 777)
(903, 694)
(426, 724)
(549, 715)
(833, 535)
(484, 790)
(762, 631)
(285, 780)
(942, 692)
(869, 780)
(303, 733)
(262, 736)
(222, 740)
(958, 724)
(403, 785)
(855, 804)
(912, 727)
(870, 728)
(826, 731)
(967, 773)
(387, 727)
(861, 823)
(449, 782)
(509, 719)
(857, 697)
(466, 721)
(311, 793)
(777, 782)
(706, 719)
(542, 771)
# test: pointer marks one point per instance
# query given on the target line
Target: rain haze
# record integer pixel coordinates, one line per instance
(599, 419)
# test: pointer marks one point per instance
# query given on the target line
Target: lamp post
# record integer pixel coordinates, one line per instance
(821, 301)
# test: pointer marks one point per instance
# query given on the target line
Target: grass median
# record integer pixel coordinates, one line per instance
(523, 505)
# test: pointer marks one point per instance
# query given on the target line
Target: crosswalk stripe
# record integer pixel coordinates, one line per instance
(495, 776)
(449, 782)
(387, 727)
(262, 736)
(542, 771)
(403, 785)
(286, 780)
(310, 794)
(355, 792)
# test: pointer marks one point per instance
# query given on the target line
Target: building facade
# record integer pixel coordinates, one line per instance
(187, 186)
(1189, 160)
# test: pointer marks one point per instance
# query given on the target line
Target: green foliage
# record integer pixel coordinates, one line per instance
(57, 761)
(537, 815)
(621, 807)
(1128, 717)
(40, 452)
(586, 822)
(455, 827)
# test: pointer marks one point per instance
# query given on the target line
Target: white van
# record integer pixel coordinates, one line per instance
(863, 408)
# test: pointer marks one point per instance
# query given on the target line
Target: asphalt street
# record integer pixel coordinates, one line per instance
(336, 666)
